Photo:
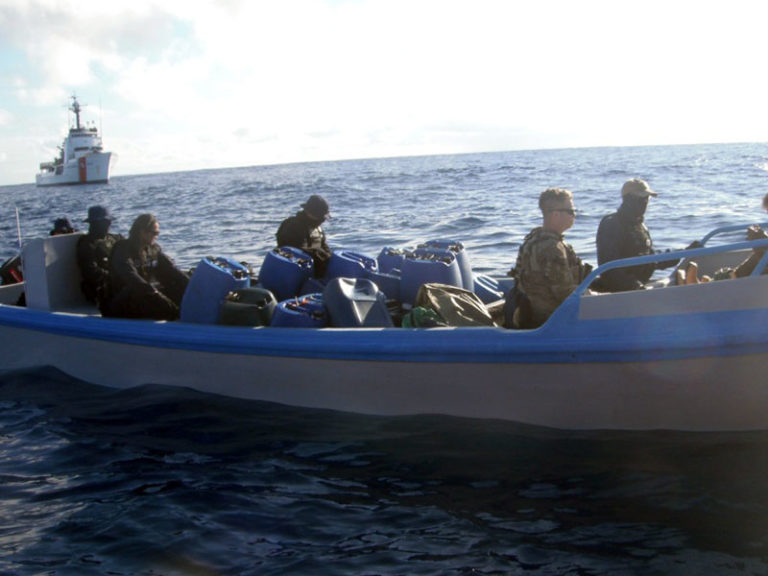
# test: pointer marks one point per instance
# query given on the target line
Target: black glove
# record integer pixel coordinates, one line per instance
(756, 233)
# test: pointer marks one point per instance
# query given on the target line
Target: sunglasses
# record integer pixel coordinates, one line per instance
(569, 211)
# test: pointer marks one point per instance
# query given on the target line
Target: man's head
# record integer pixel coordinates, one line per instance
(62, 226)
(99, 219)
(316, 208)
(145, 229)
(635, 194)
(637, 188)
(557, 209)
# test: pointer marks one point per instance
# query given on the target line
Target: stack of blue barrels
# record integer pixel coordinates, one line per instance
(357, 289)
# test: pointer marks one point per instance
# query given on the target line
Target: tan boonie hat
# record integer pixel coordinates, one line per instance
(637, 188)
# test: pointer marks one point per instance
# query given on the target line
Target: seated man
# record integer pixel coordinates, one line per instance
(547, 268)
(145, 282)
(62, 226)
(303, 231)
(93, 256)
(745, 268)
(753, 233)
(624, 234)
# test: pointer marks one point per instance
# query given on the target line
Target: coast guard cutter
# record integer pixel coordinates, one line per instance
(81, 160)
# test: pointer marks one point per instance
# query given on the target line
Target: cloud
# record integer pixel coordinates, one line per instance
(66, 42)
(214, 83)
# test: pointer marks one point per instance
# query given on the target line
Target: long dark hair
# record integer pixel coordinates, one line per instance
(142, 223)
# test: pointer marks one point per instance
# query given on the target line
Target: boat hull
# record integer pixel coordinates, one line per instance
(90, 169)
(391, 372)
(688, 357)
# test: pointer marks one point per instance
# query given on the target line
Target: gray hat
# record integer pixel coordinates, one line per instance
(637, 188)
(97, 213)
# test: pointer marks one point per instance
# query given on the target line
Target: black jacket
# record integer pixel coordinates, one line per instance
(93, 257)
(144, 271)
(622, 235)
(304, 233)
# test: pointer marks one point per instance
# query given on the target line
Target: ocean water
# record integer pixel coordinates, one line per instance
(171, 481)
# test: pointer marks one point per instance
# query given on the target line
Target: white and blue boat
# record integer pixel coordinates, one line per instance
(677, 357)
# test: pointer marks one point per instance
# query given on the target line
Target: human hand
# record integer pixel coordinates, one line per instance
(754, 232)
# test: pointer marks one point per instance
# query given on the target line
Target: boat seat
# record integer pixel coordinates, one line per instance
(52, 276)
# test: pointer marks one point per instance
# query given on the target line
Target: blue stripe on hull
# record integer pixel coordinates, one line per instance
(638, 340)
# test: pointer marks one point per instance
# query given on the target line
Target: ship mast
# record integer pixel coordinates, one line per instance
(76, 109)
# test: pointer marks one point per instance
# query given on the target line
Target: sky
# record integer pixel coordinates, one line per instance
(194, 84)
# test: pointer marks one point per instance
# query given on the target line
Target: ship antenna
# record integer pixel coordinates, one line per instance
(76, 109)
(18, 227)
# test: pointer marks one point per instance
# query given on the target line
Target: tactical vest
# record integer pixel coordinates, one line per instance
(540, 273)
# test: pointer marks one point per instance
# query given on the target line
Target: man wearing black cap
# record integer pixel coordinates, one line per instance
(93, 253)
(624, 234)
(62, 226)
(303, 231)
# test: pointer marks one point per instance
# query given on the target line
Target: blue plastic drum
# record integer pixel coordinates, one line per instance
(304, 312)
(388, 283)
(284, 271)
(349, 264)
(390, 259)
(356, 303)
(467, 279)
(210, 283)
(424, 266)
(312, 285)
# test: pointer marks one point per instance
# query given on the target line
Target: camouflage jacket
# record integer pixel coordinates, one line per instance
(547, 271)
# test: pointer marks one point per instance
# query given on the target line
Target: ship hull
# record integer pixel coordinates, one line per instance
(90, 169)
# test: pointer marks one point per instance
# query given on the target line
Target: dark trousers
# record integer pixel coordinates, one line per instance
(131, 303)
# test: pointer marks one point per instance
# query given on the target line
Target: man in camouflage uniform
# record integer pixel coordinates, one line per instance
(547, 268)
